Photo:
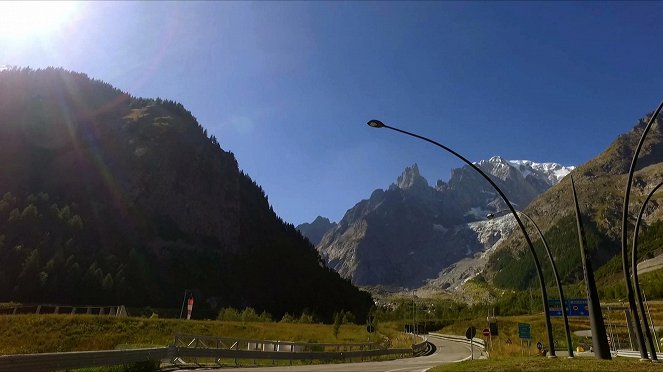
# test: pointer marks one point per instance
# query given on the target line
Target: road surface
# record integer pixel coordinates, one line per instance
(447, 352)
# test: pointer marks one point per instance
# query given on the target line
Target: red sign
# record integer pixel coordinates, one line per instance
(189, 308)
(486, 332)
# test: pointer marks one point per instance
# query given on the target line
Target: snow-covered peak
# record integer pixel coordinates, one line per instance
(553, 172)
(550, 173)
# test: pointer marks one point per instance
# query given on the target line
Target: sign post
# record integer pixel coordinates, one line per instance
(525, 333)
(469, 334)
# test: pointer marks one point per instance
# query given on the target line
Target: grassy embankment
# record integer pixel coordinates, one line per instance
(583, 364)
(518, 357)
(21, 334)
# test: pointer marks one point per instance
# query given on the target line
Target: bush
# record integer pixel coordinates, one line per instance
(249, 315)
(287, 318)
(228, 314)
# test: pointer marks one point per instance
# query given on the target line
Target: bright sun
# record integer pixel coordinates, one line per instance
(19, 19)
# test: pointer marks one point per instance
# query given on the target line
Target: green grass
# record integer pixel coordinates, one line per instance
(29, 333)
(537, 363)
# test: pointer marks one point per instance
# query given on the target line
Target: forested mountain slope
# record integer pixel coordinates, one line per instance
(110, 199)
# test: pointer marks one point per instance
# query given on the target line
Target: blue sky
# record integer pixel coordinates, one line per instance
(288, 86)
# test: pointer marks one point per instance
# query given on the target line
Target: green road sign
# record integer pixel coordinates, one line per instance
(524, 331)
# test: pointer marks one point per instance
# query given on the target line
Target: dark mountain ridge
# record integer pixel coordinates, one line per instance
(315, 230)
(110, 198)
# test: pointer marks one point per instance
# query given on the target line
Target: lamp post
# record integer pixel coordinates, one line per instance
(186, 291)
(627, 279)
(599, 336)
(562, 299)
(378, 124)
(636, 281)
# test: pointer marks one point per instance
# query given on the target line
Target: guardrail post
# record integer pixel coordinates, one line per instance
(237, 348)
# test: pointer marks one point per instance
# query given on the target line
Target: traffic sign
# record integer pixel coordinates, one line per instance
(486, 332)
(574, 307)
(524, 331)
(578, 307)
(493, 328)
(470, 333)
(539, 345)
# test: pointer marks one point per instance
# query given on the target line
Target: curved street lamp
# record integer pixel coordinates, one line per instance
(599, 337)
(562, 299)
(378, 124)
(627, 279)
(636, 281)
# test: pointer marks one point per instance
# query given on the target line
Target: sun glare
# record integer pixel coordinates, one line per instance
(20, 19)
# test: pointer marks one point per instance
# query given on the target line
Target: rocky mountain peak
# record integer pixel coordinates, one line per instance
(315, 230)
(411, 178)
(411, 232)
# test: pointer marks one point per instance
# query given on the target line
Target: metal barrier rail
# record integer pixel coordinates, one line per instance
(81, 359)
(211, 342)
(283, 351)
(279, 355)
(420, 348)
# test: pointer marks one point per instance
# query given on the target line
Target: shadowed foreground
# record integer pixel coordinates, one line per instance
(545, 364)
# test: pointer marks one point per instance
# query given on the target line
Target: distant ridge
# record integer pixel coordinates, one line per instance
(406, 235)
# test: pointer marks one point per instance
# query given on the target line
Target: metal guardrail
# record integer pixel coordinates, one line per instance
(421, 348)
(81, 359)
(116, 310)
(192, 346)
(189, 346)
(211, 342)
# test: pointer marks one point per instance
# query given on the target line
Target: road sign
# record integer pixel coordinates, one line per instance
(555, 307)
(470, 333)
(493, 328)
(486, 332)
(524, 331)
(189, 308)
(539, 345)
(578, 307)
(574, 307)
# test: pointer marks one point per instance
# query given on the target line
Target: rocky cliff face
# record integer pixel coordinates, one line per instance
(411, 232)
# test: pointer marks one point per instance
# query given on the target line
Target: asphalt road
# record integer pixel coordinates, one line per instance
(447, 352)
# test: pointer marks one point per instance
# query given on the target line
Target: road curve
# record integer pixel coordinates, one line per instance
(448, 351)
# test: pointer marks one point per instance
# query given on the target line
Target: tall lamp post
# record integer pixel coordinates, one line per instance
(636, 281)
(378, 124)
(599, 336)
(627, 279)
(562, 299)
(186, 291)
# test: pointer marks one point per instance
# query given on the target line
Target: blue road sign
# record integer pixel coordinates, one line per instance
(524, 331)
(574, 307)
(555, 307)
(577, 307)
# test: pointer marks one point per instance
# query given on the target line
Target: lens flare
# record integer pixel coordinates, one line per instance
(20, 19)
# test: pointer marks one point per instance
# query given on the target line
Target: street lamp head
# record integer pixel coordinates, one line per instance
(490, 216)
(375, 123)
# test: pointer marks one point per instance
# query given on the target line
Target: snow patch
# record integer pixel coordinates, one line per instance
(477, 212)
